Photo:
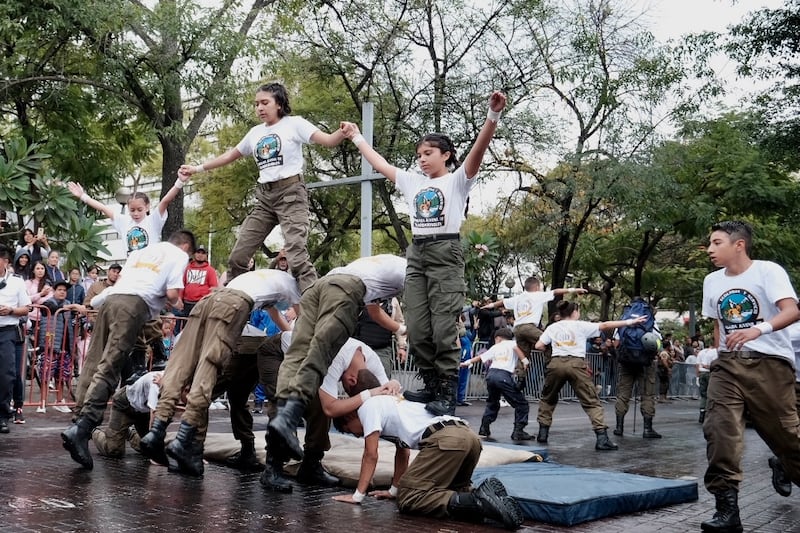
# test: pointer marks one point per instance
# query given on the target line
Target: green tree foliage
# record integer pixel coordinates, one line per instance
(30, 189)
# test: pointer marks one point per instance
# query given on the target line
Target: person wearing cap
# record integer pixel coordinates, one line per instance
(202, 352)
(55, 339)
(100, 285)
(198, 280)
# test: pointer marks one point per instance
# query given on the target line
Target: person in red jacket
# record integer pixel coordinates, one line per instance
(198, 280)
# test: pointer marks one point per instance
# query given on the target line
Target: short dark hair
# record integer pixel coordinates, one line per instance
(504, 333)
(183, 236)
(5, 252)
(565, 308)
(737, 230)
(365, 380)
(531, 283)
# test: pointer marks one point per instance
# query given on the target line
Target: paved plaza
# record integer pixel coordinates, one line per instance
(46, 491)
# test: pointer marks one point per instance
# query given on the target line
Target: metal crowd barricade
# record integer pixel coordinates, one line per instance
(684, 383)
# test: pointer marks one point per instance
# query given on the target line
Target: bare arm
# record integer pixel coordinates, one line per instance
(333, 407)
(379, 316)
(174, 298)
(375, 159)
(278, 318)
(561, 292)
(77, 191)
(220, 161)
(472, 163)
(613, 324)
(328, 139)
(369, 462)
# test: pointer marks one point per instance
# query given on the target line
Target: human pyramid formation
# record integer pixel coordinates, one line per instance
(320, 354)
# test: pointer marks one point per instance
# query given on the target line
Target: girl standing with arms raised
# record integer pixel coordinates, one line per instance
(281, 196)
(434, 285)
(140, 227)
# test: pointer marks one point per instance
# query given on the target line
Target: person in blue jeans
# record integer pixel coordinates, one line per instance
(463, 372)
(503, 356)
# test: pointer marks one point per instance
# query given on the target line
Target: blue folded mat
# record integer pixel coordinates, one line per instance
(567, 495)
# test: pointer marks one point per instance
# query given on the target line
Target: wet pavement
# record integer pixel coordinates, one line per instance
(46, 491)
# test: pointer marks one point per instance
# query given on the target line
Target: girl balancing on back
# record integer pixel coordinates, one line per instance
(434, 285)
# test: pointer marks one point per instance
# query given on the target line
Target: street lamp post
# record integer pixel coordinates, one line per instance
(122, 196)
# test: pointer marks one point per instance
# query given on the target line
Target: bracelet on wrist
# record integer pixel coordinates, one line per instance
(365, 395)
(358, 497)
(179, 184)
(393, 491)
(84, 198)
(358, 139)
(492, 115)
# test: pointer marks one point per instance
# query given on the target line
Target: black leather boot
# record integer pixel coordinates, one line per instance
(187, 451)
(649, 432)
(726, 519)
(603, 442)
(620, 426)
(489, 501)
(484, 429)
(544, 433)
(428, 392)
(519, 433)
(76, 441)
(311, 472)
(702, 417)
(282, 429)
(245, 459)
(780, 481)
(273, 478)
(152, 444)
(445, 401)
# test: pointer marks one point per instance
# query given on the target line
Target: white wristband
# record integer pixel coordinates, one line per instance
(365, 395)
(358, 497)
(393, 491)
(572, 290)
(179, 184)
(764, 327)
(494, 116)
(84, 197)
(401, 330)
(200, 168)
(629, 322)
(358, 139)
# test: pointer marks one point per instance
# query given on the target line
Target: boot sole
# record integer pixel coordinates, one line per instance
(509, 510)
(73, 452)
(183, 467)
(777, 474)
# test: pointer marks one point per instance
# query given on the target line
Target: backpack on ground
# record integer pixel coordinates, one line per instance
(636, 347)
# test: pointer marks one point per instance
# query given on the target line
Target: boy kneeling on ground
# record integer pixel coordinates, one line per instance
(438, 482)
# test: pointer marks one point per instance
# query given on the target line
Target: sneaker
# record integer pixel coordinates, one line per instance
(62, 408)
(217, 405)
(41, 409)
(18, 417)
(3, 425)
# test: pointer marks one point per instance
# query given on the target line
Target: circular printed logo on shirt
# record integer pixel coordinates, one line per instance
(268, 147)
(738, 308)
(429, 203)
(137, 238)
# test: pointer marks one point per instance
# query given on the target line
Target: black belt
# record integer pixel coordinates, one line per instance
(284, 182)
(433, 428)
(420, 239)
(743, 354)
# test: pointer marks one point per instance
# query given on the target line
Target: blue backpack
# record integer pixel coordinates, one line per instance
(631, 351)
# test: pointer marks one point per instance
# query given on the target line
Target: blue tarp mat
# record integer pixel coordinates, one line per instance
(567, 495)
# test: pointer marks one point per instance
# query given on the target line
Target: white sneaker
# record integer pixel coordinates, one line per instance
(41, 409)
(62, 409)
(217, 405)
(504, 403)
